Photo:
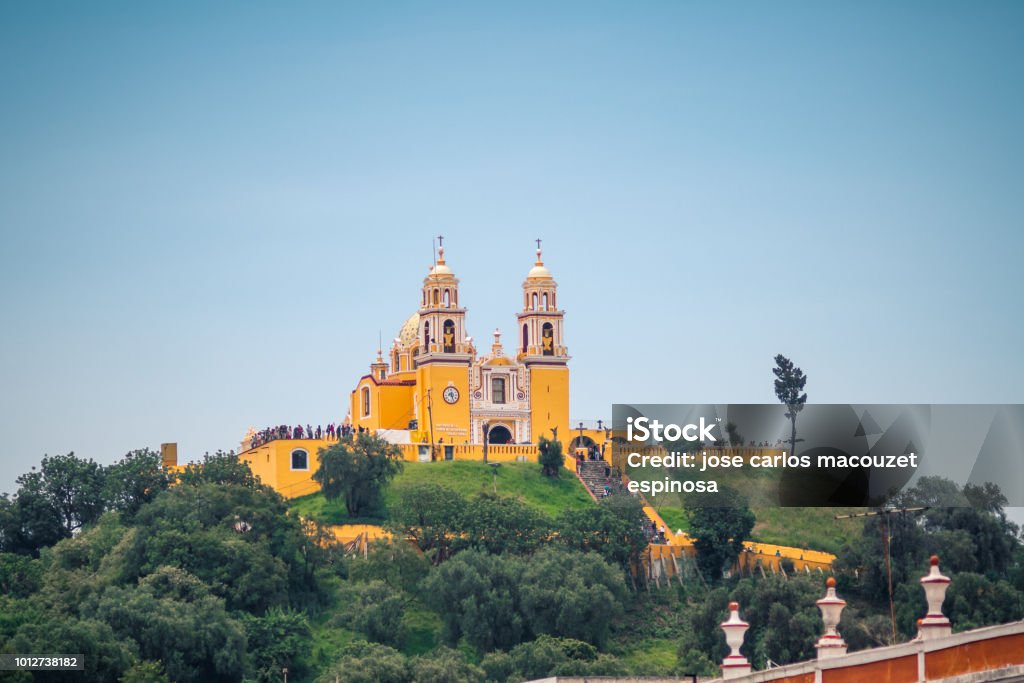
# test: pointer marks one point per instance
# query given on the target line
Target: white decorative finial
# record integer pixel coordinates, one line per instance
(539, 262)
(831, 644)
(935, 624)
(734, 665)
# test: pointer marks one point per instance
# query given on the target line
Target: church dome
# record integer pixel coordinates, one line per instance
(410, 330)
(539, 270)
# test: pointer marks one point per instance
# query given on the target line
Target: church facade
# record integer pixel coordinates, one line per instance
(437, 398)
(435, 388)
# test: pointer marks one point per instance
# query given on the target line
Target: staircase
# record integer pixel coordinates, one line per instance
(592, 474)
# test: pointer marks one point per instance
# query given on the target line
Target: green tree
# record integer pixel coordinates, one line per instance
(356, 469)
(397, 563)
(219, 468)
(444, 665)
(789, 389)
(28, 522)
(501, 524)
(430, 515)
(279, 638)
(20, 576)
(476, 595)
(375, 610)
(614, 530)
(240, 541)
(174, 618)
(783, 617)
(51, 503)
(718, 532)
(571, 594)
(144, 672)
(363, 662)
(550, 456)
(107, 654)
(136, 479)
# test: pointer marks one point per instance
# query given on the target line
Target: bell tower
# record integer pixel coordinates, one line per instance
(443, 357)
(442, 322)
(541, 348)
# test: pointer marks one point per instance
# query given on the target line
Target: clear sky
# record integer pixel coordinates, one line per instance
(208, 211)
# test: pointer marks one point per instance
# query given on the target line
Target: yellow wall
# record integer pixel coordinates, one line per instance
(272, 463)
(450, 421)
(549, 398)
(391, 405)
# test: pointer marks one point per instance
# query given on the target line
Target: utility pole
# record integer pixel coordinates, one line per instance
(430, 417)
(885, 513)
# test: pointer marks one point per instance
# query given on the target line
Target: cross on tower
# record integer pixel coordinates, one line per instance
(538, 243)
(440, 240)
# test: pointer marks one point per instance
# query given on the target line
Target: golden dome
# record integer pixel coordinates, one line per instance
(410, 330)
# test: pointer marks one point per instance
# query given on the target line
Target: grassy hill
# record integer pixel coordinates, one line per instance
(812, 528)
(519, 479)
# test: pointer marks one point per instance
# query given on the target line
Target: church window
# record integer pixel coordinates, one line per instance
(426, 337)
(449, 336)
(497, 390)
(547, 340)
(300, 459)
(533, 307)
(437, 297)
(366, 401)
(526, 337)
(545, 301)
(447, 298)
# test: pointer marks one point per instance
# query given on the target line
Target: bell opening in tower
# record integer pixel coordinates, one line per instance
(547, 339)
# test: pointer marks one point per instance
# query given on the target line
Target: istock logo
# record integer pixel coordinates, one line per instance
(643, 429)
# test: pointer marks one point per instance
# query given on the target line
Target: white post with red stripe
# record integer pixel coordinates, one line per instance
(935, 624)
(831, 644)
(734, 665)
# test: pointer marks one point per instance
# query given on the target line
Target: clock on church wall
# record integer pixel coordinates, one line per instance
(451, 395)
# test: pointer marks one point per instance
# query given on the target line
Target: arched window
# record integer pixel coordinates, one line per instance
(437, 296)
(300, 459)
(366, 401)
(426, 337)
(526, 337)
(447, 299)
(545, 300)
(497, 390)
(533, 307)
(547, 339)
(449, 336)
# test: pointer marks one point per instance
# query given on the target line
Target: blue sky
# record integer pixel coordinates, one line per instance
(209, 211)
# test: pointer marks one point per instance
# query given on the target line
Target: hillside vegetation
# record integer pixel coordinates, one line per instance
(518, 479)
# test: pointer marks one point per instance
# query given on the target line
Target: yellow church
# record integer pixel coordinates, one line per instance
(437, 398)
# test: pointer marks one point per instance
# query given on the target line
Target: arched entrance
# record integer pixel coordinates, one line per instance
(498, 435)
(581, 442)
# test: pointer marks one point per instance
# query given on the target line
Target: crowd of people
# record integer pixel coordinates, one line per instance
(332, 432)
